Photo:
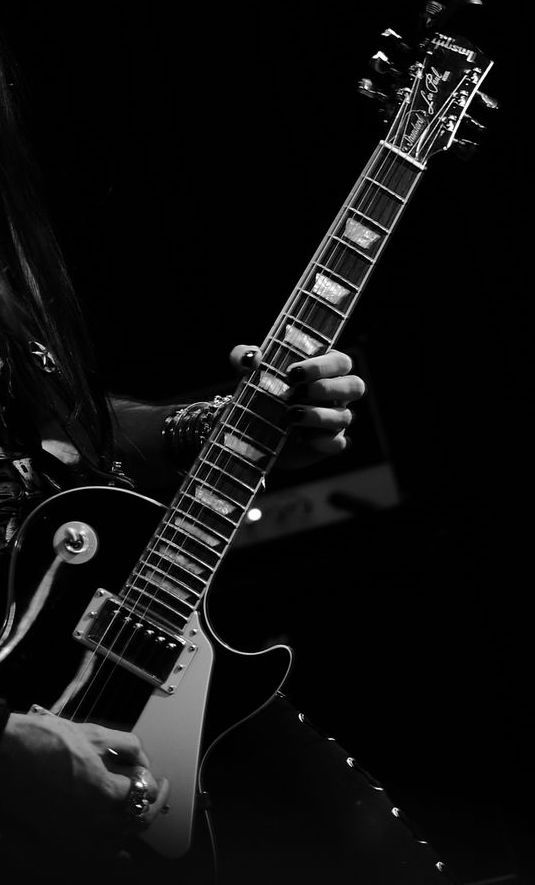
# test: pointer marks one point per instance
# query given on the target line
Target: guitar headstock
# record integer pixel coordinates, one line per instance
(431, 101)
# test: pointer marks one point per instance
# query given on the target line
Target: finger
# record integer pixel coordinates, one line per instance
(157, 806)
(332, 419)
(125, 748)
(137, 771)
(327, 444)
(245, 358)
(341, 390)
(328, 365)
(152, 785)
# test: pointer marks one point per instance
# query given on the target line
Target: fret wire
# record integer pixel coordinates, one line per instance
(179, 530)
(324, 303)
(385, 230)
(355, 194)
(210, 510)
(387, 146)
(355, 290)
(264, 364)
(194, 519)
(235, 525)
(291, 347)
(383, 244)
(257, 416)
(259, 445)
(159, 589)
(392, 165)
(235, 454)
(167, 574)
(336, 274)
(310, 328)
(264, 392)
(295, 302)
(172, 561)
(227, 473)
(271, 359)
(229, 423)
(387, 189)
(143, 593)
(353, 248)
(157, 598)
(217, 491)
(183, 550)
(171, 577)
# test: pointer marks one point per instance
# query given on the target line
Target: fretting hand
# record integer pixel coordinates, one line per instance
(323, 388)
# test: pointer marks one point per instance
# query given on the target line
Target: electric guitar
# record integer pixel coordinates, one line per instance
(117, 629)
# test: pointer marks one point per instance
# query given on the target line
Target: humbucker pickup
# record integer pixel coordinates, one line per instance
(133, 640)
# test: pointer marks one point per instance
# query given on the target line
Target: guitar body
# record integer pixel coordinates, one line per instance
(51, 668)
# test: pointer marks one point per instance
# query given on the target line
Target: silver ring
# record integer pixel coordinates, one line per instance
(136, 801)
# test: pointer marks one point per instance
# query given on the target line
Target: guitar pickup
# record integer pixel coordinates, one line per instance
(133, 640)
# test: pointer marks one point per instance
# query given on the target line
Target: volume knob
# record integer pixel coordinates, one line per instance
(75, 542)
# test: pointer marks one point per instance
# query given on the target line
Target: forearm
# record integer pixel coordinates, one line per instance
(139, 442)
(154, 442)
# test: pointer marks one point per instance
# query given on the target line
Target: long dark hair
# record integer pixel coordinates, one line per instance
(37, 300)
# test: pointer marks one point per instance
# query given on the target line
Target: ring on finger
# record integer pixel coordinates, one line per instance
(137, 803)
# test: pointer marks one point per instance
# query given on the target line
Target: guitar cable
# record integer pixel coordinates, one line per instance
(212, 839)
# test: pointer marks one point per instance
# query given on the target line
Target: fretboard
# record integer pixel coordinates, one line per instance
(181, 558)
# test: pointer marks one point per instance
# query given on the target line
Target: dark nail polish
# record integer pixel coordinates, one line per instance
(248, 359)
(296, 375)
(296, 413)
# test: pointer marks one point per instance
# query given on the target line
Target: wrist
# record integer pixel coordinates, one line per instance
(186, 428)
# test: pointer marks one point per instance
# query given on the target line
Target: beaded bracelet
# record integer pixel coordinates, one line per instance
(186, 428)
(5, 713)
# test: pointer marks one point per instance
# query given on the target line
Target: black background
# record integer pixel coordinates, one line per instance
(190, 165)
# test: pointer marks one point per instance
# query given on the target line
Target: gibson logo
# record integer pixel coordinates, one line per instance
(449, 43)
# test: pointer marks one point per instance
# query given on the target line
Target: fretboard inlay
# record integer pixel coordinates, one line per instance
(191, 529)
(242, 447)
(329, 289)
(173, 555)
(213, 501)
(360, 234)
(159, 580)
(273, 385)
(191, 540)
(305, 343)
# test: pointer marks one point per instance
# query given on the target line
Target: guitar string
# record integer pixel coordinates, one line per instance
(354, 194)
(135, 609)
(277, 354)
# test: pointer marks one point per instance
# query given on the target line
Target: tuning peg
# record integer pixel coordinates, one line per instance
(367, 87)
(473, 122)
(437, 14)
(464, 148)
(432, 12)
(489, 103)
(382, 64)
(395, 39)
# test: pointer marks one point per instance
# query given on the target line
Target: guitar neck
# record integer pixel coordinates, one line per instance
(190, 542)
